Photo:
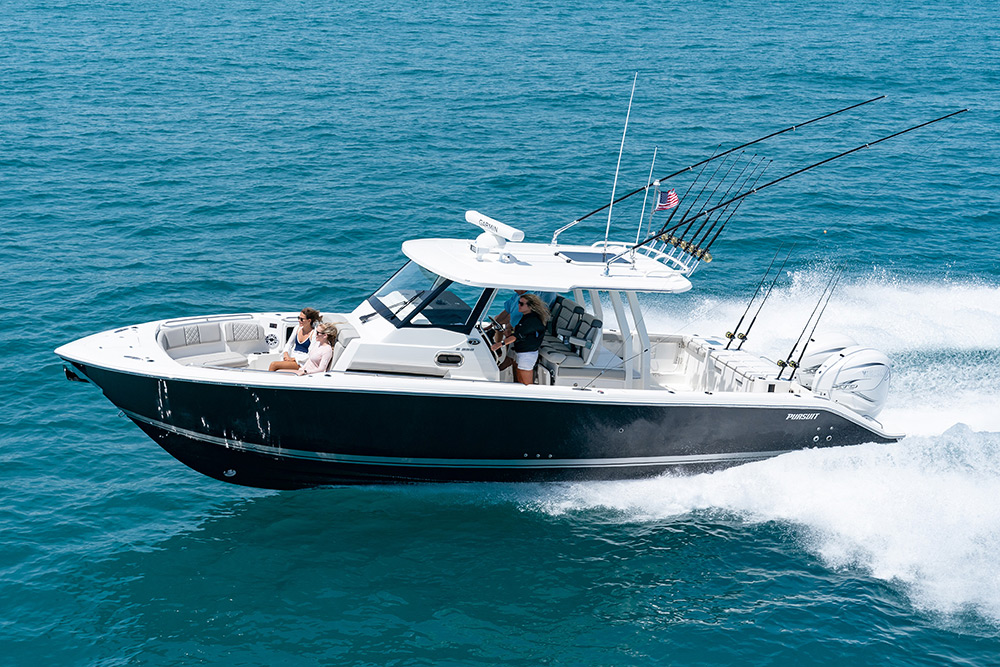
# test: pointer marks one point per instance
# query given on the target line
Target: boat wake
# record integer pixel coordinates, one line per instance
(921, 513)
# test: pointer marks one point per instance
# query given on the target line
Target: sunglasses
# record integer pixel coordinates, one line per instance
(522, 303)
(302, 319)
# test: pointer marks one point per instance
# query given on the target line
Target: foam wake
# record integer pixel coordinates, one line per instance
(921, 514)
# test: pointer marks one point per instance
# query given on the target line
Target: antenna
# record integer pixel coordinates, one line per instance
(607, 230)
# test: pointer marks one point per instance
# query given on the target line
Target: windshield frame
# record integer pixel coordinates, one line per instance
(427, 297)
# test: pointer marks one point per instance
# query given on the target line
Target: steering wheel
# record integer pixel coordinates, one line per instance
(482, 329)
(500, 353)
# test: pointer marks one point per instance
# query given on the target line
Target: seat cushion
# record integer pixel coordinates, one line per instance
(227, 359)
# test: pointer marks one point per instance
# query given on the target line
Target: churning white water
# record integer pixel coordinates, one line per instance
(921, 513)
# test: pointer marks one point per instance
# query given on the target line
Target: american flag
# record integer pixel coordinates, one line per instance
(667, 201)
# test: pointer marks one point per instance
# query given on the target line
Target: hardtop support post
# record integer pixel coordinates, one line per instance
(628, 342)
(644, 354)
(595, 304)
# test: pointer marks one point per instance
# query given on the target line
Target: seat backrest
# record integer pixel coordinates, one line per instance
(190, 334)
(588, 334)
(239, 332)
(244, 337)
(567, 320)
(557, 306)
(191, 339)
(345, 334)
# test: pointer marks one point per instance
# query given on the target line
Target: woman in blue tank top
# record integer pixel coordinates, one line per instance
(296, 351)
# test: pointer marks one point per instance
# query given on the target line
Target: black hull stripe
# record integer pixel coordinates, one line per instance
(410, 462)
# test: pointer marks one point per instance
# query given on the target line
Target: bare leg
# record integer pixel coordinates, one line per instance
(283, 366)
(525, 377)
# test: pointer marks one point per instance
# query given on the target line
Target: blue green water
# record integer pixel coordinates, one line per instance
(168, 159)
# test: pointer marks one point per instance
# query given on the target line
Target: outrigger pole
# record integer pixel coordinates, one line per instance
(699, 253)
(731, 150)
(642, 213)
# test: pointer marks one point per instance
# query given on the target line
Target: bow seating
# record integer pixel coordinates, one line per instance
(224, 344)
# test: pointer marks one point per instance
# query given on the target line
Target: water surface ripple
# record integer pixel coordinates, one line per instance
(168, 159)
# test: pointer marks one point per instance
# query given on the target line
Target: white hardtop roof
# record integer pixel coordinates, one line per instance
(543, 267)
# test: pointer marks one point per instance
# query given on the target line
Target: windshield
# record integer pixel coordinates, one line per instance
(418, 297)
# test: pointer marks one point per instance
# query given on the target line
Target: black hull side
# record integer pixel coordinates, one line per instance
(247, 468)
(291, 438)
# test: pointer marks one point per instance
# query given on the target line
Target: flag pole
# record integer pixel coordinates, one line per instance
(652, 209)
(649, 182)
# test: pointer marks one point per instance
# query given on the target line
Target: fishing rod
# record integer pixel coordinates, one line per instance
(690, 187)
(685, 218)
(731, 150)
(731, 334)
(692, 248)
(743, 336)
(756, 188)
(787, 361)
(707, 201)
(816, 324)
(737, 208)
(694, 239)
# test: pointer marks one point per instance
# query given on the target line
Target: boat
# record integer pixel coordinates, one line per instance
(414, 392)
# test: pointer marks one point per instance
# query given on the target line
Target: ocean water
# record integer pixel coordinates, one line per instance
(168, 159)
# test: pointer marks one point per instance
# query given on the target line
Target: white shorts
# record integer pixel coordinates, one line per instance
(526, 360)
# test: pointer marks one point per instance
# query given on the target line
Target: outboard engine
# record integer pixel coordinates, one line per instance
(857, 378)
(819, 350)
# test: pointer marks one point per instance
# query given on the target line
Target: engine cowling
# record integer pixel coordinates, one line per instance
(857, 378)
(820, 348)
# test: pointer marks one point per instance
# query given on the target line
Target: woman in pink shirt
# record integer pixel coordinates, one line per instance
(320, 354)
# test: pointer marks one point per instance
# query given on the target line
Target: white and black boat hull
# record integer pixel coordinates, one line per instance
(281, 438)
